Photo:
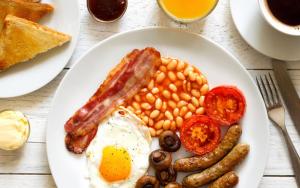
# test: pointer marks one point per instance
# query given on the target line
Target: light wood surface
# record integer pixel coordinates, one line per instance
(28, 167)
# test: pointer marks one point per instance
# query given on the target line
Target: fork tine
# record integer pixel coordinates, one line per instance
(269, 87)
(265, 91)
(275, 90)
(262, 92)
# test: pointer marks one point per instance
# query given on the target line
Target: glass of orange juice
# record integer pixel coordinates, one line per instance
(187, 11)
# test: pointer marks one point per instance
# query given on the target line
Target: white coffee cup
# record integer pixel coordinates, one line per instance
(275, 23)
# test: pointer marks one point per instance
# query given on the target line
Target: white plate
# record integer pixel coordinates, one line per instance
(216, 63)
(30, 76)
(260, 35)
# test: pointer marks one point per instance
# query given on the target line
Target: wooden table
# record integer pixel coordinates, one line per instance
(28, 167)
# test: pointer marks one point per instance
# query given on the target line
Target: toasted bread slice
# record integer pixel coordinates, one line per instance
(28, 10)
(21, 40)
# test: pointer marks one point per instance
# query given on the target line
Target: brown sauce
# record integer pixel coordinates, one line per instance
(107, 10)
(286, 11)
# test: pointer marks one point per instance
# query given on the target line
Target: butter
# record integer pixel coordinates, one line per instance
(14, 130)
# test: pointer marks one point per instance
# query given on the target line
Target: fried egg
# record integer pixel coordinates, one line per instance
(118, 155)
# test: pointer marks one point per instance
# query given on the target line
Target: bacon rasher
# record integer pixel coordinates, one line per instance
(122, 83)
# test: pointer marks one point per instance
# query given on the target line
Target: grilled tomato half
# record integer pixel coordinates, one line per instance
(225, 105)
(200, 134)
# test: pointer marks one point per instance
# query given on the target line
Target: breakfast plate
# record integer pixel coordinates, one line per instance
(30, 76)
(219, 66)
(260, 35)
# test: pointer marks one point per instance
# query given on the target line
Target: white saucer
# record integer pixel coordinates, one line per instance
(260, 35)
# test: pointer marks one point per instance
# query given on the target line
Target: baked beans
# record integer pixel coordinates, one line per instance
(175, 92)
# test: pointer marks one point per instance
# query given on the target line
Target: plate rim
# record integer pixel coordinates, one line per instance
(236, 61)
(75, 38)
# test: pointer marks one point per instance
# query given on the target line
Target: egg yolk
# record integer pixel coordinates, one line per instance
(115, 164)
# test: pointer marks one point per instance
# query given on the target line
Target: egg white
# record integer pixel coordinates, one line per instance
(121, 129)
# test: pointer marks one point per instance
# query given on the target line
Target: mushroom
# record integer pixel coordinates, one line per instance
(173, 185)
(169, 141)
(147, 182)
(166, 176)
(160, 159)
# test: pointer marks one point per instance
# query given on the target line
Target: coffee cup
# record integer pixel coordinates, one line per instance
(282, 15)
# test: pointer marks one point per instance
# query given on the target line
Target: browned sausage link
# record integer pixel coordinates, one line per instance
(202, 162)
(228, 180)
(238, 153)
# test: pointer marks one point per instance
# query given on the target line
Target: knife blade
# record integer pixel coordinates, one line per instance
(288, 92)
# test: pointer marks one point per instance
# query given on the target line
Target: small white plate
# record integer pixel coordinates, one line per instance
(30, 76)
(215, 62)
(260, 35)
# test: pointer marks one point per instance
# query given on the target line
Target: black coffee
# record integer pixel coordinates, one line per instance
(286, 11)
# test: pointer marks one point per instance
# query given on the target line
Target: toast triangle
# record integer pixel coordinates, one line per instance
(28, 10)
(21, 40)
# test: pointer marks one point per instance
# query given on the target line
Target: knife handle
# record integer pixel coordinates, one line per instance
(295, 159)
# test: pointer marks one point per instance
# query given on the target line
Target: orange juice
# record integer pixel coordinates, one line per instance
(187, 9)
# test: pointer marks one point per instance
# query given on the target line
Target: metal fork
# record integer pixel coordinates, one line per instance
(276, 114)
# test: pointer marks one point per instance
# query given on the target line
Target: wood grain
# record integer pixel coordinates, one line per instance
(140, 14)
(30, 159)
(28, 167)
(32, 181)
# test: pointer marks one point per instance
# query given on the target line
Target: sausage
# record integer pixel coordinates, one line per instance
(204, 161)
(228, 180)
(234, 157)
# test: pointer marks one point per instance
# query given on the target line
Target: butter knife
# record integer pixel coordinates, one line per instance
(288, 92)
